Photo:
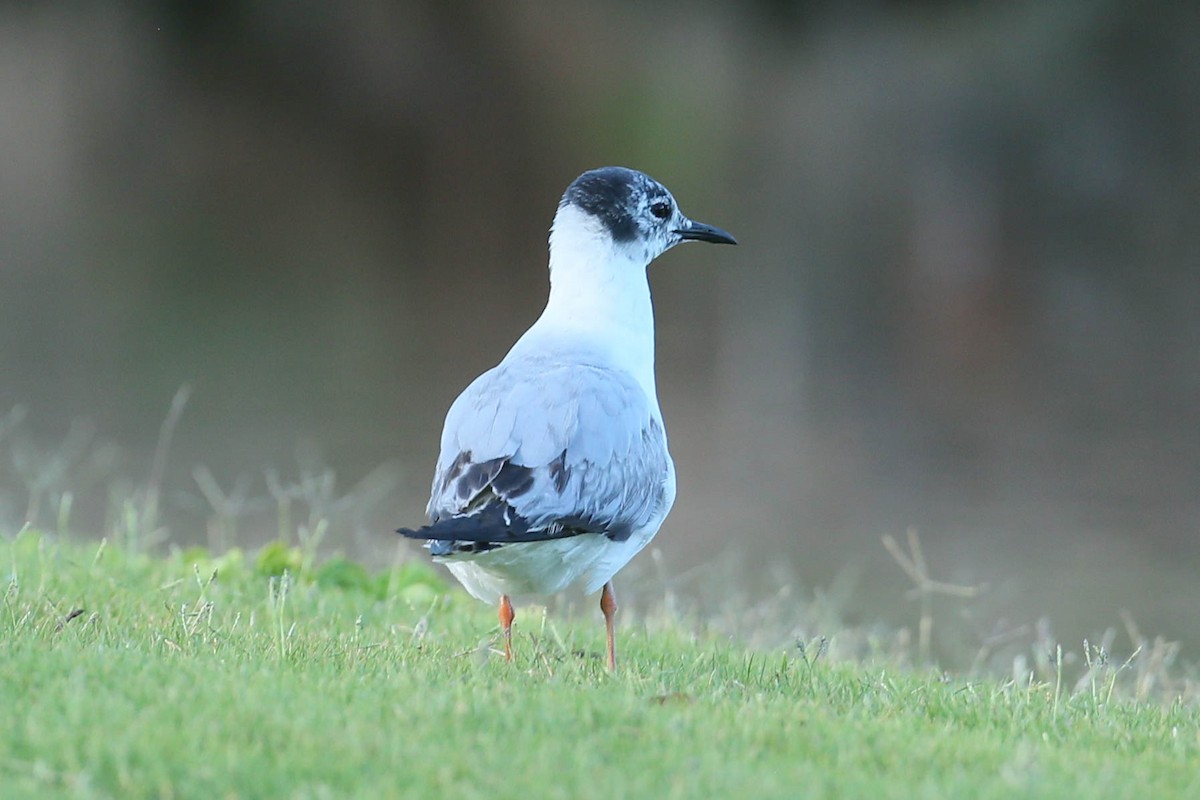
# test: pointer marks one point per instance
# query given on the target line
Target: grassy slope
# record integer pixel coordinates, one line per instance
(173, 685)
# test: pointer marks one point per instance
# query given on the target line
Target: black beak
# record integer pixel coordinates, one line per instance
(704, 233)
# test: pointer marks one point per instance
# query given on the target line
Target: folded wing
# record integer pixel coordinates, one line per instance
(541, 449)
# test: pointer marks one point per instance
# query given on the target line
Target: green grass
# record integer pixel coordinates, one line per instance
(125, 675)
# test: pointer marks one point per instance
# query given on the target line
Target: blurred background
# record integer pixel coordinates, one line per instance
(965, 301)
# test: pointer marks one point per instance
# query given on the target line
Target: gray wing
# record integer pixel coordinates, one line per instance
(539, 448)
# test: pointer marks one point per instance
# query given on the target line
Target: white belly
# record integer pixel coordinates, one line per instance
(546, 568)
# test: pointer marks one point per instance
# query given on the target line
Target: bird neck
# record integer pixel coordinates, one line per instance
(600, 300)
(601, 292)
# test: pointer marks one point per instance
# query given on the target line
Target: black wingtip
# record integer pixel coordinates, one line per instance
(498, 524)
(495, 523)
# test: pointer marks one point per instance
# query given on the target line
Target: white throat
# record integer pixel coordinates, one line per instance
(599, 298)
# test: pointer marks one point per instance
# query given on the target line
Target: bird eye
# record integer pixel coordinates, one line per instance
(661, 209)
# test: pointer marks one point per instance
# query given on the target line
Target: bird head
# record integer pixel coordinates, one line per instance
(628, 211)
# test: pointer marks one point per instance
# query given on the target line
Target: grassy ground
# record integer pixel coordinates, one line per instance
(124, 675)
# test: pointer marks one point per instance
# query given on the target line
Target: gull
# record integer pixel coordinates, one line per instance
(554, 468)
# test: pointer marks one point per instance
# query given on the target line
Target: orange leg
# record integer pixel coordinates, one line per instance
(608, 604)
(506, 621)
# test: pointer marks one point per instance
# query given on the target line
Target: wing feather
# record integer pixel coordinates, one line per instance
(555, 448)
